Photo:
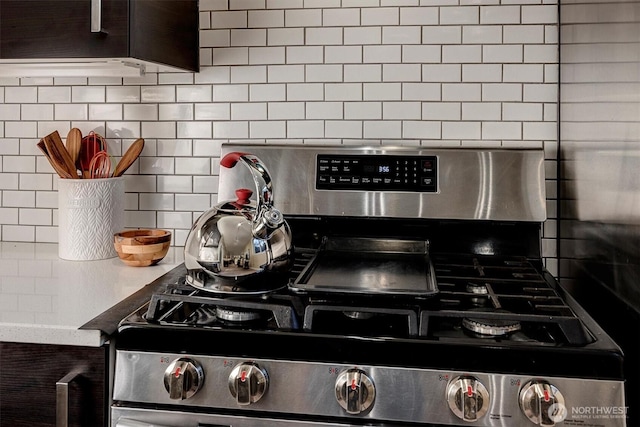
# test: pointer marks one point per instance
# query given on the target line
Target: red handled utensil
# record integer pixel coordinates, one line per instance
(91, 145)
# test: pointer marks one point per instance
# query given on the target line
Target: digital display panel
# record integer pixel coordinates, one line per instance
(377, 173)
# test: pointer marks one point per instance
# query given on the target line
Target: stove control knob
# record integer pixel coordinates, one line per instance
(355, 391)
(468, 398)
(183, 378)
(542, 403)
(248, 383)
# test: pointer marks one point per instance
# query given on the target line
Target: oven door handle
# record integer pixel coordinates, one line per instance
(128, 422)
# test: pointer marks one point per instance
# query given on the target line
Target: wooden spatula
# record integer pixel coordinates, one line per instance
(129, 157)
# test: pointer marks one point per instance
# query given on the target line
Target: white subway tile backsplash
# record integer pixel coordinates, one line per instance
(499, 14)
(305, 92)
(401, 35)
(248, 74)
(343, 129)
(105, 111)
(343, 54)
(24, 164)
(305, 55)
(286, 110)
(383, 129)
(268, 92)
(175, 184)
(285, 73)
(436, 35)
(380, 16)
(321, 36)
(485, 34)
(474, 111)
(417, 15)
(53, 94)
(325, 73)
(9, 181)
(326, 110)
(503, 54)
(382, 91)
(268, 129)
(463, 15)
(305, 129)
(249, 111)
(20, 95)
(343, 91)
(266, 18)
(27, 112)
(406, 72)
(441, 111)
(401, 110)
(382, 54)
(285, 36)
(303, 18)
(229, 19)
(22, 129)
(421, 129)
(344, 17)
(363, 110)
(266, 55)
(401, 73)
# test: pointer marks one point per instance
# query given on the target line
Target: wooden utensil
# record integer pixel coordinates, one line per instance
(63, 173)
(129, 157)
(59, 154)
(74, 141)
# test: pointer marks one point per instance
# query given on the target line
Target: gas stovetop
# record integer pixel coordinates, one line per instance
(463, 324)
(479, 298)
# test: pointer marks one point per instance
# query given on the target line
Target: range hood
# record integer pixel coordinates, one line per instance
(116, 67)
(97, 38)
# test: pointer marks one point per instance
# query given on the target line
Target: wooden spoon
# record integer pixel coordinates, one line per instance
(63, 173)
(129, 157)
(74, 141)
(59, 154)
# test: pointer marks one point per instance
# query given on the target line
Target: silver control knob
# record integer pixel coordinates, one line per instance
(542, 403)
(183, 378)
(248, 383)
(355, 391)
(468, 398)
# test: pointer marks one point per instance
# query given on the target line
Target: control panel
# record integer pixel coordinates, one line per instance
(377, 173)
(368, 393)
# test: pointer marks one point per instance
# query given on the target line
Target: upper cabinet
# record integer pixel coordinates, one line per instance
(153, 32)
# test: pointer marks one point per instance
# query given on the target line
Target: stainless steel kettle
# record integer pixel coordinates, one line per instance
(236, 244)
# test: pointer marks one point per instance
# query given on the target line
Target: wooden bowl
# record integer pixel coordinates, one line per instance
(141, 248)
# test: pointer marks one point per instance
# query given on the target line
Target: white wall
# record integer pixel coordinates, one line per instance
(420, 72)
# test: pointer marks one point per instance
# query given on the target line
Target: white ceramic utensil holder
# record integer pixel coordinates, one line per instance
(90, 212)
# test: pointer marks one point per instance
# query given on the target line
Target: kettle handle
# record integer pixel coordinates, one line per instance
(267, 219)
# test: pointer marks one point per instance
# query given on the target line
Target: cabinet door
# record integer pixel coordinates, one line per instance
(62, 29)
(28, 376)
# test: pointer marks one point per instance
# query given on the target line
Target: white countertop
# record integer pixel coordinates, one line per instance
(44, 299)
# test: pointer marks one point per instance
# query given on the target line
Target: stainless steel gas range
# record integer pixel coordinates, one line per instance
(417, 296)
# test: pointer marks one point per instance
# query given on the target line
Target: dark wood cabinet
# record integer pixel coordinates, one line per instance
(163, 32)
(28, 377)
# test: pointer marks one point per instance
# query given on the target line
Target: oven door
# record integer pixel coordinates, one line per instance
(136, 417)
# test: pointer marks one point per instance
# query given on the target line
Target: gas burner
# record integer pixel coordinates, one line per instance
(477, 288)
(228, 288)
(490, 327)
(236, 315)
